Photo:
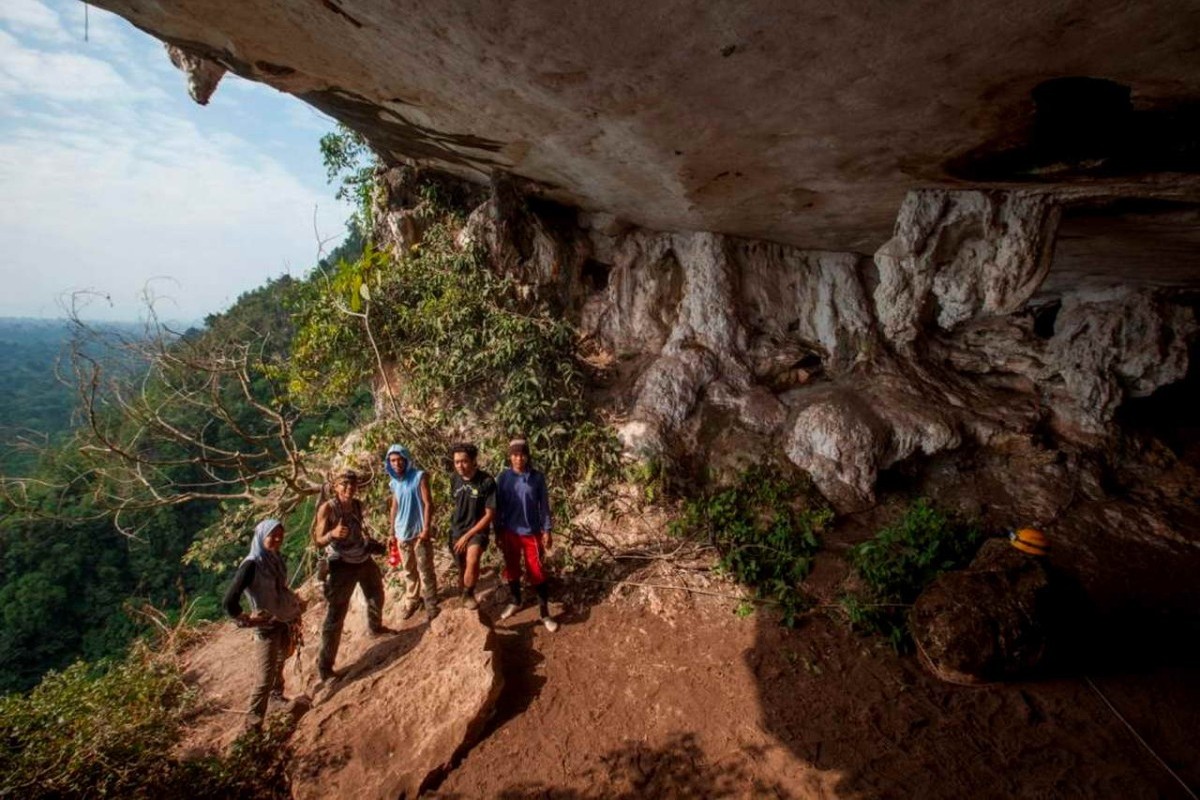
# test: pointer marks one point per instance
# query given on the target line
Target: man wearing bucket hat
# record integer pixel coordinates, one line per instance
(339, 529)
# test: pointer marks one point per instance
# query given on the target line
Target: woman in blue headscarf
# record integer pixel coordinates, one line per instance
(275, 609)
(410, 507)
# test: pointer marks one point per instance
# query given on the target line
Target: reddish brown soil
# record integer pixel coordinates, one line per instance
(688, 700)
(658, 693)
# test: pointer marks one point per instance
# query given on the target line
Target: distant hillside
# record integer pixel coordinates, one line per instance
(35, 406)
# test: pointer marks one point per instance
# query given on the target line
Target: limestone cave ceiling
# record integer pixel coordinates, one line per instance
(802, 123)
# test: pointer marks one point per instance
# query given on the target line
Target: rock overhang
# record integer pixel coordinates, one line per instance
(803, 124)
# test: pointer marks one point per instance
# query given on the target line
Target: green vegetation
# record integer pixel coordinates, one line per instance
(473, 358)
(108, 730)
(766, 527)
(900, 561)
(350, 163)
(68, 573)
(35, 406)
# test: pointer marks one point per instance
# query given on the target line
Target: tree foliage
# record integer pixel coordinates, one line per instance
(457, 351)
(110, 730)
(351, 165)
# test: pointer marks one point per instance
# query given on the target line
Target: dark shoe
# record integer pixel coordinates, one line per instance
(469, 602)
(383, 631)
(329, 675)
(410, 608)
(431, 612)
(278, 696)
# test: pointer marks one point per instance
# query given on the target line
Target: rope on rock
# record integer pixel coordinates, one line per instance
(1138, 736)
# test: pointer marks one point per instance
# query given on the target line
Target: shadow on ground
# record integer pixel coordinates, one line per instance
(677, 769)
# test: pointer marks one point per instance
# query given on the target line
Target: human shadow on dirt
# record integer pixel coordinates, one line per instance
(386, 650)
(677, 769)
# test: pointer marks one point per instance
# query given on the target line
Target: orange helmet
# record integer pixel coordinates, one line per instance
(1028, 540)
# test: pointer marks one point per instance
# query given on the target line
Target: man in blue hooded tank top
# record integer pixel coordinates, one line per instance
(410, 507)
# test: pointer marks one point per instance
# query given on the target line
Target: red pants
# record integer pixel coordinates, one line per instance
(513, 545)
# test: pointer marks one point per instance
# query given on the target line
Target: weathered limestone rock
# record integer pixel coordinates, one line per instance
(203, 75)
(739, 320)
(958, 254)
(637, 310)
(839, 440)
(1112, 345)
(755, 121)
(816, 298)
(987, 622)
(405, 707)
(843, 437)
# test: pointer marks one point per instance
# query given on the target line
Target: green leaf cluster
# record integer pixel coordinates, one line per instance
(767, 528)
(467, 350)
(351, 165)
(110, 730)
(898, 562)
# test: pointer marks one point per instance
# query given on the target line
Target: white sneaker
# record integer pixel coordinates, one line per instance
(550, 624)
(509, 610)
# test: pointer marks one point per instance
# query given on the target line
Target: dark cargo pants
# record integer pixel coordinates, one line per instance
(339, 587)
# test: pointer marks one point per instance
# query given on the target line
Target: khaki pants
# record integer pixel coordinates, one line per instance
(419, 578)
(271, 647)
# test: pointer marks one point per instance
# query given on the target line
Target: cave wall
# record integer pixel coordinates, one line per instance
(847, 366)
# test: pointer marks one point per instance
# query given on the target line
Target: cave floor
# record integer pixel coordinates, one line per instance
(658, 694)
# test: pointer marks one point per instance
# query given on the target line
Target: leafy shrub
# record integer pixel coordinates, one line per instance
(900, 561)
(93, 730)
(470, 350)
(109, 729)
(766, 528)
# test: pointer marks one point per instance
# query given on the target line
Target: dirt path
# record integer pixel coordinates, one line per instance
(649, 693)
(688, 700)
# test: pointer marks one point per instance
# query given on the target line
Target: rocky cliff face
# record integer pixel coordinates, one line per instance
(848, 366)
(712, 204)
(799, 123)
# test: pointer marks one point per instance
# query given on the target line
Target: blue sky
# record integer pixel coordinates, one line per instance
(113, 180)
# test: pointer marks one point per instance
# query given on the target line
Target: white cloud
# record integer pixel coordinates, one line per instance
(61, 76)
(33, 18)
(110, 179)
(123, 200)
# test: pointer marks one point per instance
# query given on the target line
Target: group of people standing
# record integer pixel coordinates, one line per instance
(516, 505)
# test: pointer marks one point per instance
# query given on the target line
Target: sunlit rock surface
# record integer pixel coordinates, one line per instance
(852, 237)
(405, 707)
(798, 123)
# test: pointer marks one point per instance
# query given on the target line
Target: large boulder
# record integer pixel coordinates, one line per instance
(985, 623)
(405, 708)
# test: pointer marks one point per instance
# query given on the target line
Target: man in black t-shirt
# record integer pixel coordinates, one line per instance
(474, 494)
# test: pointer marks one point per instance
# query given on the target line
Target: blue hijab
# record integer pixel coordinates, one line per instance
(406, 488)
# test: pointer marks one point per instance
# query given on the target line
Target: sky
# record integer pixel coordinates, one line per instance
(116, 187)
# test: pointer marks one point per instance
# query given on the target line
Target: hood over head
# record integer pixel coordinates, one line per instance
(409, 466)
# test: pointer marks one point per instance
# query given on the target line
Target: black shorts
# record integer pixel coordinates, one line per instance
(480, 539)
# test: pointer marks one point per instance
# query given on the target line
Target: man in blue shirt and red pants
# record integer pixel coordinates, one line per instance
(523, 508)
